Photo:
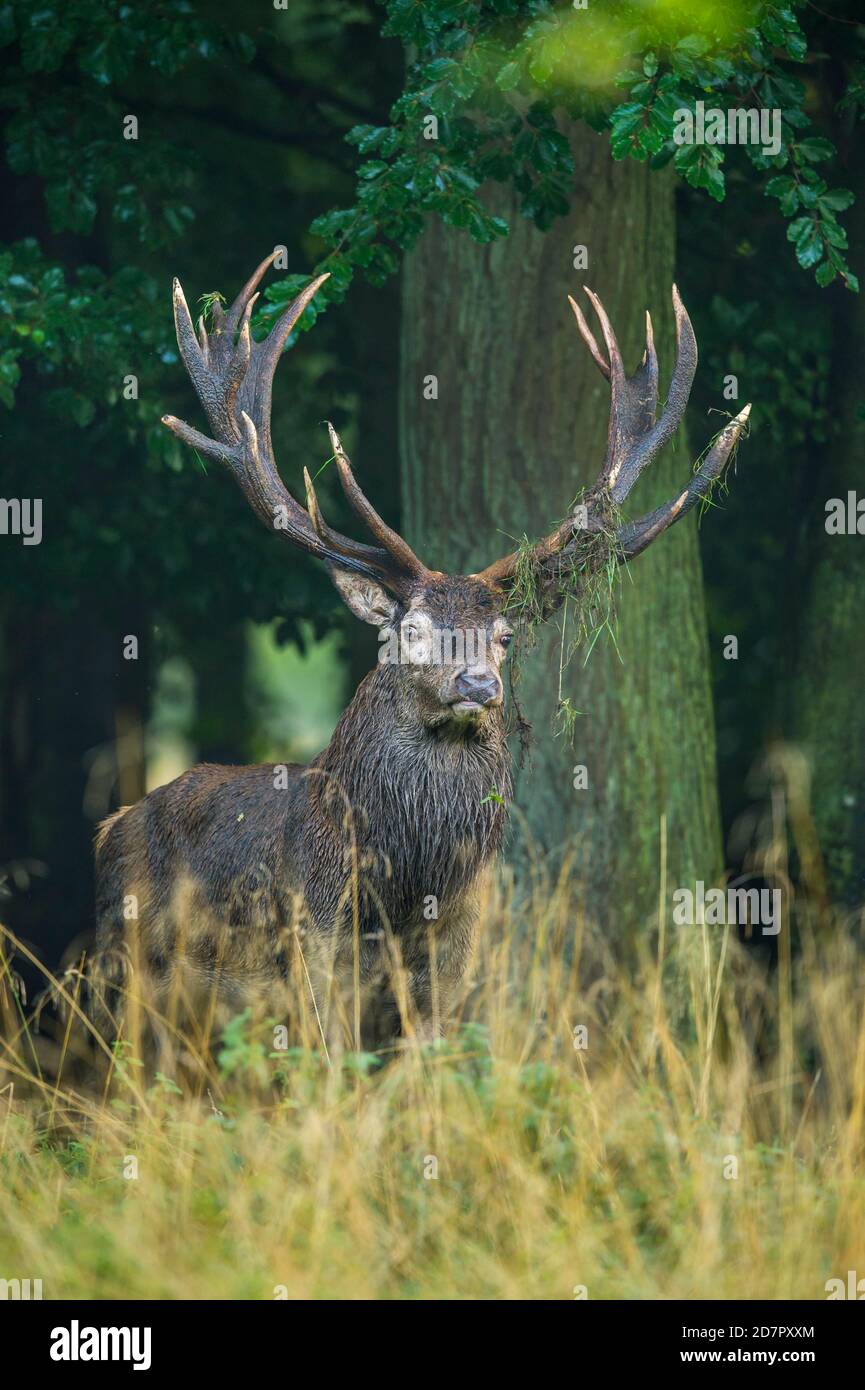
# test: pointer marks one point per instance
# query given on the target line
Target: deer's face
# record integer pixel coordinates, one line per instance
(450, 642)
(447, 641)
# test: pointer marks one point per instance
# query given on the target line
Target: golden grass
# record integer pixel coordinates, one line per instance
(607, 1167)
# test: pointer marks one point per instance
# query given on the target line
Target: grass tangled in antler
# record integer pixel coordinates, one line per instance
(581, 581)
(721, 484)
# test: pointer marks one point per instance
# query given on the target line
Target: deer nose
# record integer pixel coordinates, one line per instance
(481, 690)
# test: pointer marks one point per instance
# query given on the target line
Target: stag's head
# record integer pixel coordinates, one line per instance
(445, 635)
(446, 638)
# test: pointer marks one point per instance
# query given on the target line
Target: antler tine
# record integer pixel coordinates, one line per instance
(233, 377)
(589, 338)
(640, 450)
(633, 400)
(228, 319)
(635, 536)
(632, 414)
(634, 438)
(274, 505)
(616, 371)
(256, 388)
(393, 543)
(356, 549)
(191, 349)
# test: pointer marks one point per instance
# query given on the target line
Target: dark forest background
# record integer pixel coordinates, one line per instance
(450, 257)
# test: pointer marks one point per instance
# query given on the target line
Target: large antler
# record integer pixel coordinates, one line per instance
(233, 376)
(635, 437)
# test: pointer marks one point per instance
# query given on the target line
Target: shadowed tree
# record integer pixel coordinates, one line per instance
(825, 705)
(518, 427)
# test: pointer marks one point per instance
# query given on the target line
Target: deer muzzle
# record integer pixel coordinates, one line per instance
(476, 692)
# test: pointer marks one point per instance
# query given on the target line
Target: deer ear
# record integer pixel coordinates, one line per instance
(366, 598)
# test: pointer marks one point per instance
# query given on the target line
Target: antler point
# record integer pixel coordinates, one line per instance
(311, 504)
(335, 441)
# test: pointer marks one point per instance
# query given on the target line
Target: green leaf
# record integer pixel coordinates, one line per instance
(693, 44)
(438, 69)
(372, 169)
(779, 186)
(508, 77)
(805, 235)
(814, 149)
(664, 155)
(838, 199)
(835, 234)
(366, 137)
(784, 187)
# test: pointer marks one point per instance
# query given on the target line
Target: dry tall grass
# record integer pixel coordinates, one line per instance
(706, 1141)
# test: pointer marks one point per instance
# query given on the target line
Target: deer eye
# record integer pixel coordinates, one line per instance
(506, 639)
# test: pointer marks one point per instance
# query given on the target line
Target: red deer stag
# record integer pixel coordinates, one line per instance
(379, 846)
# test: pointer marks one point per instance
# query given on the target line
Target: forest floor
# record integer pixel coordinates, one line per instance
(689, 1126)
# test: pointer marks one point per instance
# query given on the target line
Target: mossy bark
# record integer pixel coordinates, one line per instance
(518, 426)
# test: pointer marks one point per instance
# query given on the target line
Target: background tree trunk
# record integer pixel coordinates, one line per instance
(826, 715)
(71, 748)
(519, 424)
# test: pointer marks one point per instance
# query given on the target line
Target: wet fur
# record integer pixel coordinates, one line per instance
(215, 879)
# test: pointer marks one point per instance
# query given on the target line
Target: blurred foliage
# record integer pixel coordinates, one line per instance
(488, 82)
(295, 696)
(93, 225)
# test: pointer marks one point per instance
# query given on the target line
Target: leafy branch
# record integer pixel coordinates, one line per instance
(486, 88)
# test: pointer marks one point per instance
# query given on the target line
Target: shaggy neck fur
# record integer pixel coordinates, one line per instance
(429, 800)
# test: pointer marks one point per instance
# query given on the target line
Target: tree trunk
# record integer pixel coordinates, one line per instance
(519, 425)
(71, 749)
(826, 717)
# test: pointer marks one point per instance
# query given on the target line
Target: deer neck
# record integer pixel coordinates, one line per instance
(430, 800)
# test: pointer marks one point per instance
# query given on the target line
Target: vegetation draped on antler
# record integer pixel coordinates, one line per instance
(634, 439)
